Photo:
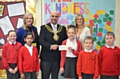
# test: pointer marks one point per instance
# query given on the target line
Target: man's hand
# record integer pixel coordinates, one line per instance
(54, 47)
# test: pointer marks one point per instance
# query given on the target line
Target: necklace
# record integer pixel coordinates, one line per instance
(55, 37)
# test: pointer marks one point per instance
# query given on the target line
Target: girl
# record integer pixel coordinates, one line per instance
(28, 59)
(10, 53)
(69, 56)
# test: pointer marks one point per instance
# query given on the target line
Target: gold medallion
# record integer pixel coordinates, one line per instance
(56, 37)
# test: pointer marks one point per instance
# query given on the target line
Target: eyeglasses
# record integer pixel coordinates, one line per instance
(80, 19)
(54, 16)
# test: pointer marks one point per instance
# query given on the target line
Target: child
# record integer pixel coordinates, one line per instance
(87, 63)
(28, 59)
(69, 56)
(10, 52)
(109, 58)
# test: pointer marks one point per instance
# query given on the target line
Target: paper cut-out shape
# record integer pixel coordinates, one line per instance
(110, 29)
(99, 21)
(102, 12)
(104, 19)
(103, 41)
(96, 16)
(108, 23)
(112, 12)
(105, 31)
(91, 23)
(106, 15)
(71, 17)
(94, 30)
(100, 29)
(110, 19)
(86, 19)
(99, 43)
(97, 12)
(101, 16)
(101, 25)
(99, 33)
(100, 38)
(97, 47)
(91, 16)
(95, 20)
(94, 38)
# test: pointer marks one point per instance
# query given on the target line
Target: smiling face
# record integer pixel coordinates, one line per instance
(71, 33)
(88, 43)
(109, 39)
(79, 20)
(54, 17)
(12, 36)
(29, 20)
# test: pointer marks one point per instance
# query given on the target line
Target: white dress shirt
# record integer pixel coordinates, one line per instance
(90, 51)
(30, 49)
(12, 43)
(54, 27)
(72, 44)
(110, 46)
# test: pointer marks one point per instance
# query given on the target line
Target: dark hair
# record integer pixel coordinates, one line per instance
(10, 32)
(71, 26)
(110, 33)
(89, 38)
(28, 33)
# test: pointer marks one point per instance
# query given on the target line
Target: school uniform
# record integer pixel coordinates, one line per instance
(10, 52)
(109, 59)
(87, 64)
(69, 59)
(29, 61)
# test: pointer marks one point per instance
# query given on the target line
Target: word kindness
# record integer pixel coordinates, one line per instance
(67, 7)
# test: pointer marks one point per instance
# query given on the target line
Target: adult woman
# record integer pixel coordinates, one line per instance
(28, 27)
(82, 31)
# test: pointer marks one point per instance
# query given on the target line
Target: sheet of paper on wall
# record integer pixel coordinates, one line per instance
(63, 47)
(6, 25)
(16, 9)
(20, 22)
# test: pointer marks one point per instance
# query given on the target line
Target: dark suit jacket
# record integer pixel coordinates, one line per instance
(46, 40)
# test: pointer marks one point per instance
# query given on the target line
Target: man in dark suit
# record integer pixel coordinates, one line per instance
(51, 36)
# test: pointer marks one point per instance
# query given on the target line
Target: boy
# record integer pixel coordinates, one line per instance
(10, 53)
(87, 63)
(109, 58)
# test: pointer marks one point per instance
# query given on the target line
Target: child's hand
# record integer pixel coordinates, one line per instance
(80, 77)
(70, 49)
(22, 76)
(119, 76)
(15, 70)
(61, 70)
(11, 70)
(37, 74)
